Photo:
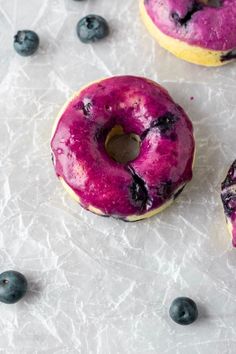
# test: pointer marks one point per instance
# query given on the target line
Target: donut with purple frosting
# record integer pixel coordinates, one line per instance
(199, 31)
(123, 105)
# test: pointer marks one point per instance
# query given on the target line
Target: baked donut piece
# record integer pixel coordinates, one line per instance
(199, 31)
(118, 106)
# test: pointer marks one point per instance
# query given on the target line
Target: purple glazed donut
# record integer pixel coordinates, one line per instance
(139, 188)
(199, 31)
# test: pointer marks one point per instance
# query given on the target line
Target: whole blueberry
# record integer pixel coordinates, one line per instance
(92, 28)
(183, 311)
(13, 286)
(26, 42)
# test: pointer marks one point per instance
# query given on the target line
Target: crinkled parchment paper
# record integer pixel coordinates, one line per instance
(100, 285)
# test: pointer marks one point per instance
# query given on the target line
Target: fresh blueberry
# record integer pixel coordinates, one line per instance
(92, 28)
(26, 42)
(183, 311)
(13, 286)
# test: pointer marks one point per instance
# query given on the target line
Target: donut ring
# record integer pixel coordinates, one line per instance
(193, 30)
(139, 188)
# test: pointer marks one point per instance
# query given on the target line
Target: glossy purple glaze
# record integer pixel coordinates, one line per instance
(78, 145)
(211, 27)
(228, 196)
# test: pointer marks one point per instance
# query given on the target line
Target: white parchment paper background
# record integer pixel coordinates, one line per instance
(99, 285)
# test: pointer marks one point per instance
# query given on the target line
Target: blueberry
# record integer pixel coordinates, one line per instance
(92, 28)
(138, 191)
(183, 21)
(231, 177)
(13, 286)
(26, 42)
(164, 190)
(229, 202)
(228, 56)
(165, 123)
(183, 311)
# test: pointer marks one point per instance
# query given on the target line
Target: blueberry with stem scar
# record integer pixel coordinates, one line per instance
(92, 28)
(13, 286)
(26, 42)
(183, 311)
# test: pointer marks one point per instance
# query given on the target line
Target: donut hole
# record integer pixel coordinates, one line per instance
(212, 3)
(122, 147)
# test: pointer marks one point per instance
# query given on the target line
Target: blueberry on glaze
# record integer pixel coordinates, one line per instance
(229, 202)
(231, 177)
(228, 192)
(229, 56)
(183, 21)
(195, 7)
(13, 286)
(183, 311)
(165, 123)
(26, 42)
(87, 108)
(92, 28)
(138, 191)
(84, 106)
(165, 189)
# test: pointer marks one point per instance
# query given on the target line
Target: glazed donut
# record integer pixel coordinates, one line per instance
(228, 196)
(104, 110)
(199, 31)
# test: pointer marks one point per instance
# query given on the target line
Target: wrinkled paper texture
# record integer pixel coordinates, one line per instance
(100, 285)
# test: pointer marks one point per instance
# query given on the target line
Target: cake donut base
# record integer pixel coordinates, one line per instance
(92, 208)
